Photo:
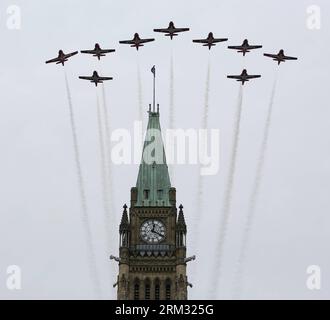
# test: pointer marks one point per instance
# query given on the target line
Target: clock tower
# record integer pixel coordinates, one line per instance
(152, 232)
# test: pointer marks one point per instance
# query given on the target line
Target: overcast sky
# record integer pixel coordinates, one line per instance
(40, 225)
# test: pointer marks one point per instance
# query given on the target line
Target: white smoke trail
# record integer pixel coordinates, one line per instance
(171, 111)
(110, 218)
(200, 183)
(108, 156)
(85, 218)
(227, 197)
(140, 97)
(102, 154)
(253, 199)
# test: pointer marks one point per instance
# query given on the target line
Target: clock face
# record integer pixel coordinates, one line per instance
(152, 231)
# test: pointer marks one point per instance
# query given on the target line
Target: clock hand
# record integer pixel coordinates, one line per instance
(158, 233)
(154, 231)
(153, 228)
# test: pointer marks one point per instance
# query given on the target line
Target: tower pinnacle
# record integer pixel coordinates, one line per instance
(153, 70)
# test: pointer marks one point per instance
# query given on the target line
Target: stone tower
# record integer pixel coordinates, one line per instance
(152, 253)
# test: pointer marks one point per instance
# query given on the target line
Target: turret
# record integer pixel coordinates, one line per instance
(181, 229)
(124, 229)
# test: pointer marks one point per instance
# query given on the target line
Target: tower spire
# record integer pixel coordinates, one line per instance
(153, 182)
(153, 70)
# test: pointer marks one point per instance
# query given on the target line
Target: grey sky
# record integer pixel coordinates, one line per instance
(40, 227)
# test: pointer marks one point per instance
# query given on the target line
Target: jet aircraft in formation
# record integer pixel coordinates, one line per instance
(245, 47)
(244, 76)
(136, 41)
(280, 57)
(210, 41)
(95, 78)
(62, 57)
(171, 31)
(98, 52)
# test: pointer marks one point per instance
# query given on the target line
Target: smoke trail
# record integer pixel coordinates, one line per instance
(140, 97)
(85, 218)
(200, 183)
(253, 198)
(108, 155)
(102, 154)
(110, 218)
(228, 195)
(171, 111)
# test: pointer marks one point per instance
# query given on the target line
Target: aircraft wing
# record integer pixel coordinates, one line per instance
(86, 78)
(95, 52)
(235, 77)
(161, 30)
(200, 41)
(146, 40)
(105, 78)
(290, 58)
(181, 29)
(107, 50)
(254, 47)
(88, 51)
(236, 47)
(71, 54)
(253, 76)
(275, 56)
(127, 42)
(220, 39)
(53, 60)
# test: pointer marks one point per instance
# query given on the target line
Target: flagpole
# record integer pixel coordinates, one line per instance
(154, 101)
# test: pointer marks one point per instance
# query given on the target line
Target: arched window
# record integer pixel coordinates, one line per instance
(157, 289)
(136, 290)
(168, 289)
(147, 290)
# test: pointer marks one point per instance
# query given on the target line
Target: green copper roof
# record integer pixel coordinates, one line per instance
(153, 182)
